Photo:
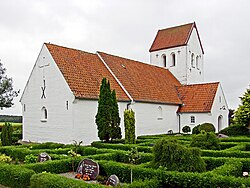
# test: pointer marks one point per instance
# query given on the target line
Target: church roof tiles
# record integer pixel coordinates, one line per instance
(84, 71)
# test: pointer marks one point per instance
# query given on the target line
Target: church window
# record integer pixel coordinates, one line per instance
(173, 60)
(44, 114)
(197, 62)
(192, 119)
(192, 60)
(67, 105)
(159, 113)
(164, 60)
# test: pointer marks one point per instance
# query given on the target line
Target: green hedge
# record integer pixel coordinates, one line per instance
(15, 176)
(234, 130)
(171, 178)
(238, 147)
(125, 147)
(213, 153)
(57, 166)
(230, 168)
(148, 183)
(47, 180)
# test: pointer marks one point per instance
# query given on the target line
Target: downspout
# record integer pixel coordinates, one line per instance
(179, 122)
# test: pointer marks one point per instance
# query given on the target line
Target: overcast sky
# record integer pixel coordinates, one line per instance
(126, 28)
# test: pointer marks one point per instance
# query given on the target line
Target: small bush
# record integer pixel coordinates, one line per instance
(5, 159)
(208, 127)
(15, 176)
(47, 180)
(169, 154)
(30, 159)
(205, 140)
(186, 129)
(235, 130)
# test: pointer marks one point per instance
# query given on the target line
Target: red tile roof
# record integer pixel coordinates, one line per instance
(173, 37)
(197, 97)
(83, 72)
(144, 82)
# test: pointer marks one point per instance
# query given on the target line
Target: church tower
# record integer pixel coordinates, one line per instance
(179, 49)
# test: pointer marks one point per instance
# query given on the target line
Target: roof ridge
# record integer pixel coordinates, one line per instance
(199, 84)
(69, 48)
(176, 26)
(135, 61)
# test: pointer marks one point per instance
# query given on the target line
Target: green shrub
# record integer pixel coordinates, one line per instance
(47, 180)
(208, 127)
(147, 183)
(235, 130)
(129, 124)
(6, 136)
(15, 176)
(30, 159)
(230, 168)
(205, 140)
(173, 156)
(186, 129)
(5, 159)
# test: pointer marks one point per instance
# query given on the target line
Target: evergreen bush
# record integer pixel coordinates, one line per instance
(205, 140)
(173, 156)
(208, 127)
(235, 130)
(6, 136)
(129, 123)
(186, 129)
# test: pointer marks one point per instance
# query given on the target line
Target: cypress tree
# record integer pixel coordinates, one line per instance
(115, 119)
(129, 123)
(6, 136)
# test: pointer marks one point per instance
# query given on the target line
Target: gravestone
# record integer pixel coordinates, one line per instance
(222, 136)
(113, 180)
(88, 167)
(43, 157)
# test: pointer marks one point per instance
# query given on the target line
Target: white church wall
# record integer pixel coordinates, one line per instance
(219, 109)
(58, 126)
(195, 72)
(179, 70)
(150, 120)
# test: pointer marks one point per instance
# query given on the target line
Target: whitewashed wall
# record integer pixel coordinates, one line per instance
(150, 122)
(183, 70)
(217, 110)
(58, 126)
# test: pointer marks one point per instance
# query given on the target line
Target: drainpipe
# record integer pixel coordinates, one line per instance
(179, 122)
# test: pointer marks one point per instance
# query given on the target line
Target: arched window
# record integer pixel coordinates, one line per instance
(192, 119)
(197, 62)
(44, 114)
(173, 60)
(192, 60)
(220, 122)
(159, 113)
(164, 60)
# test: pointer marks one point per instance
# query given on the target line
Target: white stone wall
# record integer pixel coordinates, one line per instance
(183, 70)
(58, 126)
(149, 121)
(219, 108)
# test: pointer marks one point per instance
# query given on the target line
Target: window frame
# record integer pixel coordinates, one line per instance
(192, 119)
(44, 117)
(192, 60)
(173, 59)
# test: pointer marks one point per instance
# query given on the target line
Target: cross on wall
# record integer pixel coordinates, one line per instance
(43, 90)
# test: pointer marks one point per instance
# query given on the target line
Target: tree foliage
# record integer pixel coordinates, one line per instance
(186, 129)
(175, 157)
(208, 127)
(107, 117)
(205, 140)
(6, 136)
(7, 93)
(129, 123)
(242, 114)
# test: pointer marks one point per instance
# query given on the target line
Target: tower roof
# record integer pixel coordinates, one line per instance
(173, 37)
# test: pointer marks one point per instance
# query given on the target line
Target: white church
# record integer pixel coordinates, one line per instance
(60, 98)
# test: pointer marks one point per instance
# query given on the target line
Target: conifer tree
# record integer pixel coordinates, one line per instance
(107, 117)
(242, 114)
(6, 136)
(115, 119)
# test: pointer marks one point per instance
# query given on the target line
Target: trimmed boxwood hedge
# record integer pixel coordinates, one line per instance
(230, 168)
(15, 176)
(213, 153)
(47, 180)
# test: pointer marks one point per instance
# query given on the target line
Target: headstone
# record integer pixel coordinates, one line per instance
(222, 136)
(88, 167)
(113, 180)
(43, 157)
